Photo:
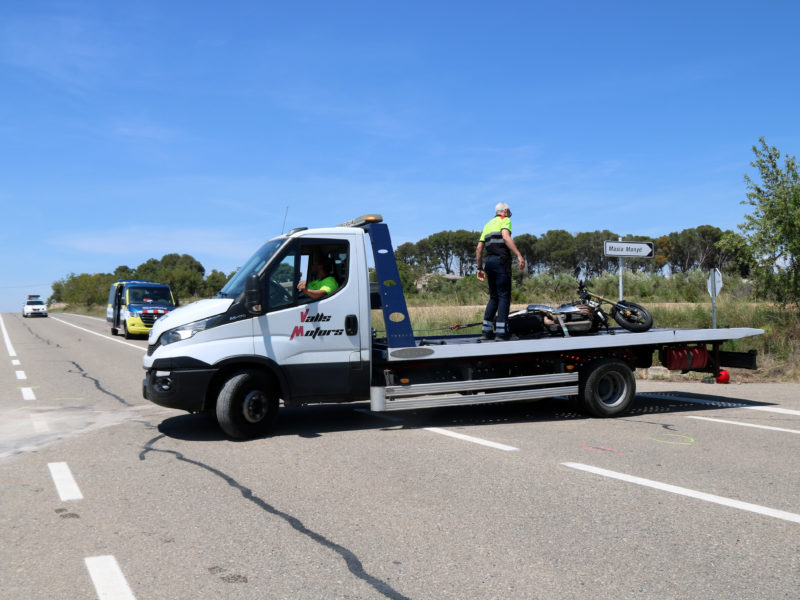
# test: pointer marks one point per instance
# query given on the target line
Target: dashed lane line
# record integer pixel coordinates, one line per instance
(746, 424)
(27, 393)
(469, 438)
(87, 317)
(674, 489)
(65, 483)
(440, 431)
(775, 409)
(105, 337)
(21, 375)
(107, 577)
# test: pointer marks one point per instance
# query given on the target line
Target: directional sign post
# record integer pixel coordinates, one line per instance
(634, 249)
(714, 286)
(621, 248)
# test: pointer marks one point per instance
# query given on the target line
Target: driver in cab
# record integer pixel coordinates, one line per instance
(323, 282)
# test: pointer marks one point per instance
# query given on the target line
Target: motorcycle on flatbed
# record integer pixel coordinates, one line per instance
(585, 315)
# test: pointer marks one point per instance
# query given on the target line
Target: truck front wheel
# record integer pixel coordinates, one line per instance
(607, 388)
(247, 405)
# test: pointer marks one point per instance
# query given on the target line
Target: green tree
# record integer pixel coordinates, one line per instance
(557, 251)
(406, 253)
(526, 244)
(442, 248)
(214, 282)
(736, 256)
(182, 272)
(772, 231)
(663, 251)
(589, 260)
(150, 270)
(464, 244)
(123, 272)
(694, 248)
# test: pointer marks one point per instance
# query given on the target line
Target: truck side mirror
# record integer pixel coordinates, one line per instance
(252, 295)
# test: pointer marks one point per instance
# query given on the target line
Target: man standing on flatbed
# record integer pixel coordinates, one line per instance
(496, 241)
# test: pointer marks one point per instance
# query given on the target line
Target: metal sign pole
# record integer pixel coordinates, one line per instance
(620, 275)
(714, 286)
(713, 304)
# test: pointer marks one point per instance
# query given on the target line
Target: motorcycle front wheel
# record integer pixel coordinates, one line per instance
(632, 316)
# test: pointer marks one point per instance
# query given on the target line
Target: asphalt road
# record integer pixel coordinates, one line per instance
(693, 494)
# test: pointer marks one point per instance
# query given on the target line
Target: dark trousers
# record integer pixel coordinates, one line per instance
(498, 275)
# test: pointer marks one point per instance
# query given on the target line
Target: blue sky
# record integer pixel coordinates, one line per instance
(134, 129)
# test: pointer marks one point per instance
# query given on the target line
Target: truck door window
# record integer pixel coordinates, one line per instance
(297, 265)
(323, 265)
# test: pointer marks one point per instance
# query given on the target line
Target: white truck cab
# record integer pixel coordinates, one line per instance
(264, 329)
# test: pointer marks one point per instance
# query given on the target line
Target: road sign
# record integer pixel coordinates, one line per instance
(714, 283)
(623, 248)
(714, 286)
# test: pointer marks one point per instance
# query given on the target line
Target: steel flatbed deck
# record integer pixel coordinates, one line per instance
(468, 346)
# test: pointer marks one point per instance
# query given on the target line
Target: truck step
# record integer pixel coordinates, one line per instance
(479, 391)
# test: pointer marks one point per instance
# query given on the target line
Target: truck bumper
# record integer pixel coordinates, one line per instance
(180, 389)
(136, 326)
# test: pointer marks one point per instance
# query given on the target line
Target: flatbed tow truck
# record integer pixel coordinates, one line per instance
(261, 341)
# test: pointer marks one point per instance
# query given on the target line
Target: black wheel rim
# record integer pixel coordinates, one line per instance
(255, 406)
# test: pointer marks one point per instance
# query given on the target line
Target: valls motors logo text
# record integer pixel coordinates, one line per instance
(300, 331)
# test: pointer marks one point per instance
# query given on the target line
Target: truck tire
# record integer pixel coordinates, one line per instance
(125, 331)
(247, 405)
(607, 388)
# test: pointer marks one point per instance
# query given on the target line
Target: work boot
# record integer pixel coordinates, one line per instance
(486, 336)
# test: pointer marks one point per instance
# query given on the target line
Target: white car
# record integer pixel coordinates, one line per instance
(34, 308)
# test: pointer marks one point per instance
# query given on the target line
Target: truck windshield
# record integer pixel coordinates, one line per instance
(253, 265)
(150, 295)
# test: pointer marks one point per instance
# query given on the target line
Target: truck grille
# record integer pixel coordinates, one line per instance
(149, 317)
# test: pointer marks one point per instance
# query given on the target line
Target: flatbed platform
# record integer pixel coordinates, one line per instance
(470, 346)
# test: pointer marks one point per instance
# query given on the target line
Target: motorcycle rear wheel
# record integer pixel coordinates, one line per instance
(632, 317)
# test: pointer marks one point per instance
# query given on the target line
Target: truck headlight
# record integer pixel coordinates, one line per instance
(184, 332)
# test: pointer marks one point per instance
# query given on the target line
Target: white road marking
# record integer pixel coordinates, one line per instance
(7, 339)
(469, 438)
(674, 489)
(783, 411)
(107, 577)
(105, 337)
(87, 317)
(21, 375)
(27, 393)
(746, 424)
(15, 362)
(65, 484)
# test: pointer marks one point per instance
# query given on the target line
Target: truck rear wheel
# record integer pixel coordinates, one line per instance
(247, 405)
(607, 388)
